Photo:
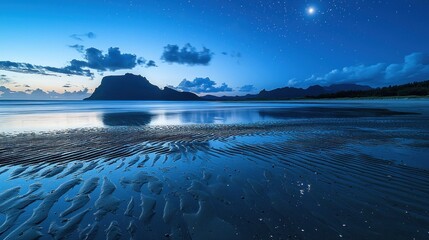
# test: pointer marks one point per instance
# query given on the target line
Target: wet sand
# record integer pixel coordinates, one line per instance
(310, 178)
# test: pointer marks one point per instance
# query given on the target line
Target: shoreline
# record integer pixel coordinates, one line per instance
(94, 143)
(411, 97)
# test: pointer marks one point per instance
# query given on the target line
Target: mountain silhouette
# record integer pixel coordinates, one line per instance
(291, 92)
(136, 87)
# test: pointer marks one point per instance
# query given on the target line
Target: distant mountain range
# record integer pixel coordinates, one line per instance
(409, 89)
(291, 93)
(136, 87)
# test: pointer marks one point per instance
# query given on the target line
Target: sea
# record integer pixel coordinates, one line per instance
(310, 169)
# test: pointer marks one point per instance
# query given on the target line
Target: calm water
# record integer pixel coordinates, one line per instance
(34, 116)
(177, 170)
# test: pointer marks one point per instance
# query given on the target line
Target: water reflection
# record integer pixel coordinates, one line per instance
(220, 116)
(234, 116)
(324, 112)
(55, 121)
(29, 116)
(126, 119)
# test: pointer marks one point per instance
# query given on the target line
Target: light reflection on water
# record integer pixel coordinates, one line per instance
(25, 116)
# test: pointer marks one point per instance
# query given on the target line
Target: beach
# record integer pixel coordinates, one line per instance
(240, 170)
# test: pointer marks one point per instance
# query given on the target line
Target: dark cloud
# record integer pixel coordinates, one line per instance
(113, 60)
(42, 70)
(141, 61)
(81, 37)
(202, 85)
(151, 63)
(186, 55)
(68, 85)
(39, 94)
(93, 59)
(415, 67)
(4, 79)
(247, 88)
(71, 70)
(79, 48)
(147, 64)
(21, 67)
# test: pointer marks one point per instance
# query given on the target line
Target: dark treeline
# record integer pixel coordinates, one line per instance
(410, 89)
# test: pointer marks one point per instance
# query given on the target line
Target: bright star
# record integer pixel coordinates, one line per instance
(311, 10)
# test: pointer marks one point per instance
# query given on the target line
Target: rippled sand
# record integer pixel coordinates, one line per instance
(355, 178)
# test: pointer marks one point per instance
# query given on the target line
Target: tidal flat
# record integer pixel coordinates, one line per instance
(161, 170)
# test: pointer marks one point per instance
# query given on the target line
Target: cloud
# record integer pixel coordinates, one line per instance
(80, 37)
(20, 67)
(42, 70)
(6, 93)
(113, 60)
(247, 88)
(25, 85)
(147, 64)
(4, 79)
(94, 59)
(187, 55)
(77, 47)
(71, 70)
(141, 61)
(151, 63)
(39, 94)
(415, 67)
(202, 85)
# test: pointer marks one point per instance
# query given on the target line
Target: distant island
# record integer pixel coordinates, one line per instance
(136, 87)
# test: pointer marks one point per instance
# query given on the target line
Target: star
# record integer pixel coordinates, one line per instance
(311, 10)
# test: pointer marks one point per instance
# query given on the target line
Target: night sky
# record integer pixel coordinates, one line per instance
(210, 47)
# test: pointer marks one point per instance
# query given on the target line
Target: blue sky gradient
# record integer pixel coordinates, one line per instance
(257, 44)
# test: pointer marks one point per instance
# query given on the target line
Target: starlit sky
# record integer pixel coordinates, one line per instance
(62, 49)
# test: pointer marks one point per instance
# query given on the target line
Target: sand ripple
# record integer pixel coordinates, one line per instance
(302, 180)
